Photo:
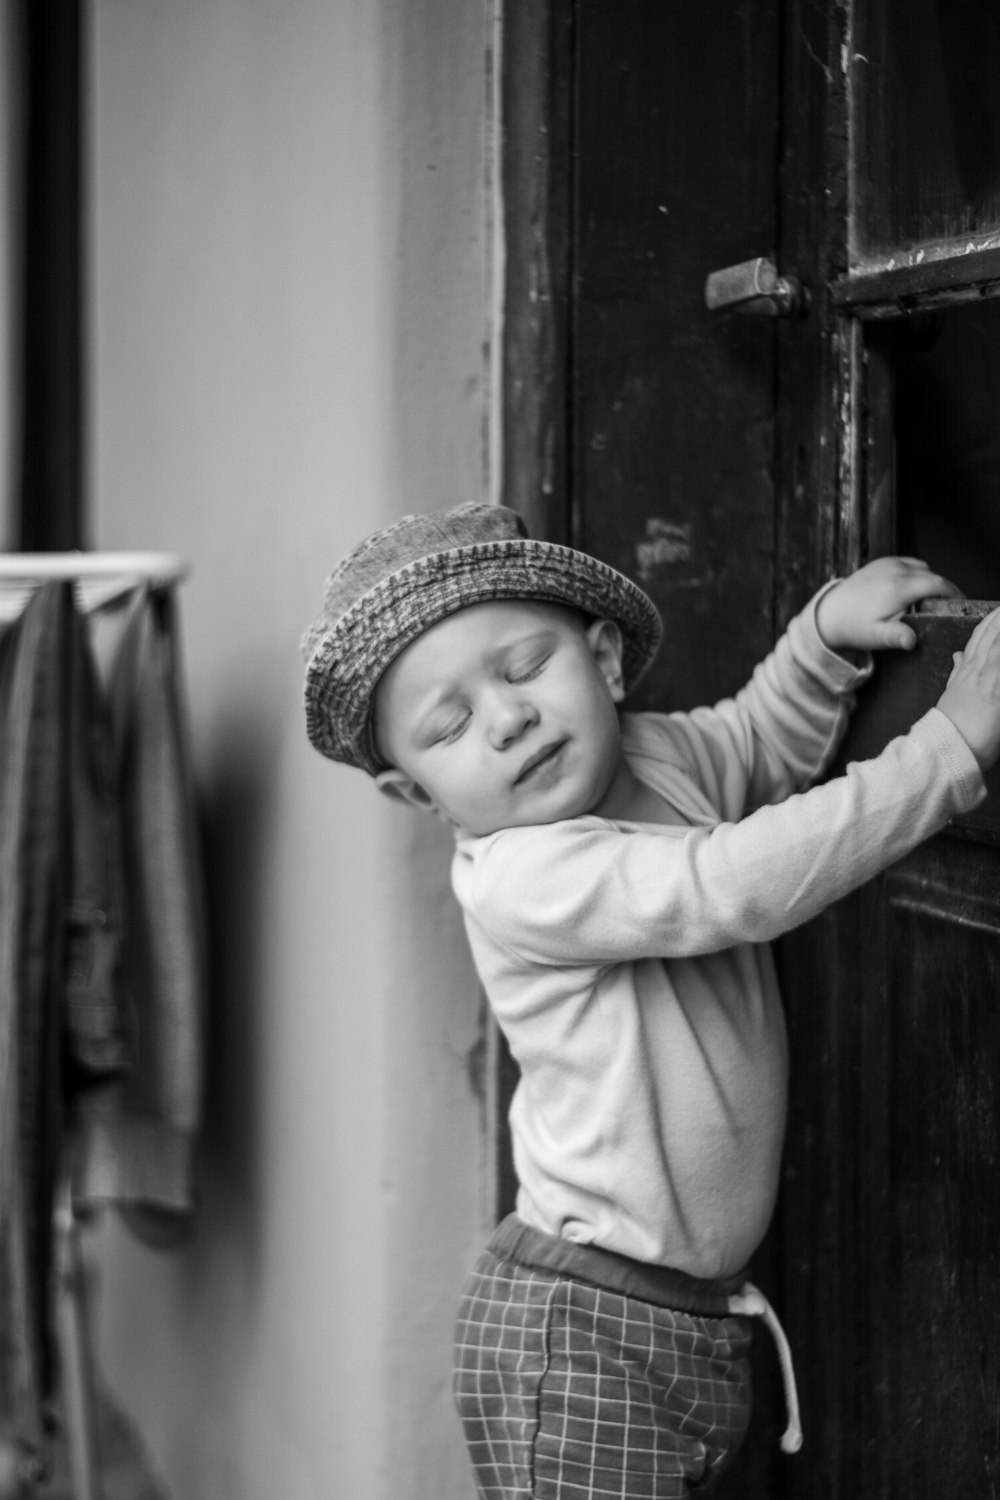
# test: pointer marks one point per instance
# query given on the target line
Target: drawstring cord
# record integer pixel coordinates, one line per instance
(750, 1302)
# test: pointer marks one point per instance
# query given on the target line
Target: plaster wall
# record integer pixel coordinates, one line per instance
(288, 333)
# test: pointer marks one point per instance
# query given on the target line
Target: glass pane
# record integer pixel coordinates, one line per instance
(926, 122)
(946, 367)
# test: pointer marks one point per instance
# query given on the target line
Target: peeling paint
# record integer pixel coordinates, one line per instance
(666, 542)
(933, 252)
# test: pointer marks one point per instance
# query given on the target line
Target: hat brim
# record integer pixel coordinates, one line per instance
(348, 658)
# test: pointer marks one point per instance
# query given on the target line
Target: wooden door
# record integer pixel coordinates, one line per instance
(733, 463)
(891, 1214)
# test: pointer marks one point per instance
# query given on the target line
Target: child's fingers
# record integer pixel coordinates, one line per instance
(983, 640)
(927, 585)
(891, 635)
(985, 631)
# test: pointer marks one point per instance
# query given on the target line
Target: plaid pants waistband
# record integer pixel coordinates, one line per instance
(519, 1242)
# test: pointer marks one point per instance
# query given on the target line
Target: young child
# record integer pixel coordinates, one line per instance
(621, 876)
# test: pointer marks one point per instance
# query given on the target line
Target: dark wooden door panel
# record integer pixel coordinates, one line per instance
(927, 1244)
(675, 136)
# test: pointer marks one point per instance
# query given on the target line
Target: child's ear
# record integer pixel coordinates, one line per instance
(403, 788)
(605, 640)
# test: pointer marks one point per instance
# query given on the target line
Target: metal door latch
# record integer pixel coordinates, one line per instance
(754, 286)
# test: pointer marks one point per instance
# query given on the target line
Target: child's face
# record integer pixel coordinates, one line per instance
(503, 715)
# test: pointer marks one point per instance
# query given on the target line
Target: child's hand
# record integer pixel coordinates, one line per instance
(971, 698)
(863, 611)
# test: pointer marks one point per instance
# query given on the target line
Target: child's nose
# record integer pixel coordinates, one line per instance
(510, 718)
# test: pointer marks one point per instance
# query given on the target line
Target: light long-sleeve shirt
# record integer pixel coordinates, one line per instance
(628, 963)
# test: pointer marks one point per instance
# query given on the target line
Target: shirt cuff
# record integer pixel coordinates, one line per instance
(936, 733)
(846, 672)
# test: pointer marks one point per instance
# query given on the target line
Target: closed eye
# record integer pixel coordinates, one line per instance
(452, 730)
(525, 674)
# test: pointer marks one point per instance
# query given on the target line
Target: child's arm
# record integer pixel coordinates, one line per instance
(780, 733)
(585, 892)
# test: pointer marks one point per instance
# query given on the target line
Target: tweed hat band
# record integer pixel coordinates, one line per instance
(357, 636)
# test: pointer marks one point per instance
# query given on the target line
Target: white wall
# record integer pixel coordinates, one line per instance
(289, 289)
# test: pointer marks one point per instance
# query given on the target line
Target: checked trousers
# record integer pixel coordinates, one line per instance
(571, 1391)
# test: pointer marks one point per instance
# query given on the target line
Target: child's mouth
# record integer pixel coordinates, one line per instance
(536, 764)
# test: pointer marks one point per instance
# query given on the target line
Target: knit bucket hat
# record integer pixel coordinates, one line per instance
(399, 582)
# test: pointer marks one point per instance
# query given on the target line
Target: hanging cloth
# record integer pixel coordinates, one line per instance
(36, 655)
(102, 952)
(136, 1137)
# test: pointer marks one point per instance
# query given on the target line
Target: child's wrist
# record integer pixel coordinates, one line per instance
(974, 723)
(831, 630)
(827, 624)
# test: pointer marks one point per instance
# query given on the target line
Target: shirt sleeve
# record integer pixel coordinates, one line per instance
(587, 891)
(780, 733)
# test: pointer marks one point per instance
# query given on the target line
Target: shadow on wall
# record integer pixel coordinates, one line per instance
(234, 797)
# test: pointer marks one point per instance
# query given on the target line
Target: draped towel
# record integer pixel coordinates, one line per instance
(35, 665)
(102, 950)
